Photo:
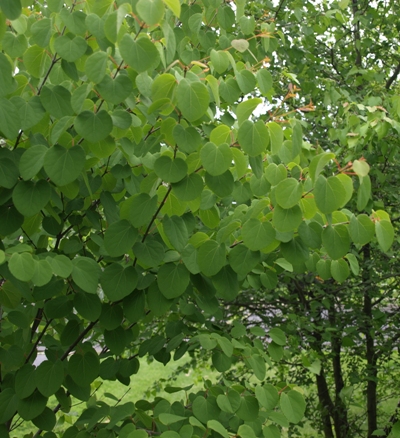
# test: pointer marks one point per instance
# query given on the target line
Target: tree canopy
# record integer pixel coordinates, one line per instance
(212, 178)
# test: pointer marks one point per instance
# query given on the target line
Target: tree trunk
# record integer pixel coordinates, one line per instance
(372, 370)
(326, 404)
(340, 412)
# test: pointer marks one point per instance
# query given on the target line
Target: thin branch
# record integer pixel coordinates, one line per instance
(279, 9)
(156, 214)
(393, 77)
(78, 339)
(38, 340)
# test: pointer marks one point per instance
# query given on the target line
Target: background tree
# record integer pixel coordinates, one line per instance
(154, 169)
(344, 55)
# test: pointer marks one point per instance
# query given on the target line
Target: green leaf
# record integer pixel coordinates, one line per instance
(229, 403)
(275, 174)
(118, 282)
(217, 427)
(6, 78)
(246, 80)
(163, 86)
(220, 60)
(29, 197)
(8, 173)
(285, 220)
(318, 163)
(140, 209)
(9, 119)
(361, 168)
(12, 9)
(170, 170)
(278, 336)
(211, 257)
(272, 431)
(193, 99)
(119, 238)
(246, 431)
(240, 45)
(248, 409)
(14, 46)
(86, 273)
(176, 231)
(336, 241)
(32, 406)
(242, 259)
(58, 307)
(49, 377)
(95, 66)
(267, 395)
(121, 119)
(43, 273)
(189, 188)
(324, 269)
(220, 134)
(25, 383)
(61, 265)
(257, 235)
(46, 420)
(220, 361)
(87, 305)
(57, 101)
(168, 419)
(348, 185)
(364, 192)
(205, 409)
(116, 340)
(384, 234)
(226, 17)
(36, 60)
(329, 194)
(156, 301)
(174, 5)
(115, 90)
(293, 406)
(253, 137)
(310, 234)
(150, 253)
(141, 55)
(172, 279)
(221, 185)
(361, 229)
(151, 11)
(340, 270)
(264, 79)
(64, 165)
(84, 368)
(297, 138)
(10, 296)
(216, 159)
(93, 127)
(41, 32)
(257, 364)
(210, 217)
(187, 139)
(245, 109)
(288, 193)
(30, 112)
(283, 263)
(354, 266)
(70, 47)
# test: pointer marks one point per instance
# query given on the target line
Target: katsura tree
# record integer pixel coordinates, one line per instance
(151, 169)
(344, 56)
